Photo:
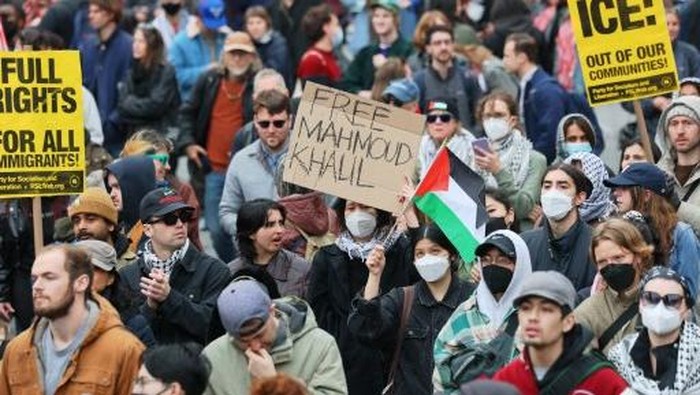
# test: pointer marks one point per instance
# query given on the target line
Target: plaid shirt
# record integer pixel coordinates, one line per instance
(467, 326)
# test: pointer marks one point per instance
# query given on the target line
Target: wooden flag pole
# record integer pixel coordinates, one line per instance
(37, 225)
(643, 132)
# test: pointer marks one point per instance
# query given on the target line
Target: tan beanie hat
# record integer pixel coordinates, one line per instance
(94, 201)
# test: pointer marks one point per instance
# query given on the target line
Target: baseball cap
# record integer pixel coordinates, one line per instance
(102, 255)
(94, 200)
(390, 5)
(550, 285)
(159, 202)
(212, 13)
(642, 174)
(443, 104)
(500, 241)
(403, 90)
(241, 301)
(239, 41)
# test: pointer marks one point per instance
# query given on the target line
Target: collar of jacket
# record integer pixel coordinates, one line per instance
(278, 267)
(568, 240)
(452, 298)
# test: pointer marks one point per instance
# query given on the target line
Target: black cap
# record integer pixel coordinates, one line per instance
(641, 174)
(443, 104)
(160, 202)
(500, 241)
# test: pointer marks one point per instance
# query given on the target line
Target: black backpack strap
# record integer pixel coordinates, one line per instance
(624, 318)
(512, 324)
(691, 190)
(575, 374)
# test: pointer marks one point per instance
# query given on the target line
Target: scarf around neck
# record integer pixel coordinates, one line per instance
(153, 262)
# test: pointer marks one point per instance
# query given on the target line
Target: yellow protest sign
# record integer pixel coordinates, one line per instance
(352, 147)
(42, 140)
(624, 49)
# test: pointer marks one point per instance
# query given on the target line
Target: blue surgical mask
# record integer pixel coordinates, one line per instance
(338, 37)
(572, 148)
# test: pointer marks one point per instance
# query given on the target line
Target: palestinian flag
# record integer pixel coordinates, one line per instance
(452, 195)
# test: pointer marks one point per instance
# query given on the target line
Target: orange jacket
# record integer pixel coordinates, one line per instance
(107, 361)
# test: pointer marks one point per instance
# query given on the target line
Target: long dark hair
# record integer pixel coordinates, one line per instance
(155, 53)
(433, 233)
(251, 217)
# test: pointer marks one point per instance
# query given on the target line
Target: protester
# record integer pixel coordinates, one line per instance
(338, 273)
(420, 59)
(271, 45)
(104, 63)
(95, 217)
(504, 263)
(148, 97)
(621, 257)
(633, 151)
(444, 128)
(265, 337)
(197, 48)
(510, 164)
(575, 133)
(689, 86)
(171, 21)
(260, 227)
(444, 77)
(359, 76)
(501, 213)
(177, 368)
(77, 340)
(597, 206)
(377, 319)
(563, 240)
(542, 101)
(663, 356)
(643, 187)
(281, 384)
(402, 93)
(392, 69)
(220, 104)
(554, 358)
(489, 69)
(679, 139)
(506, 17)
(251, 174)
(178, 285)
(324, 32)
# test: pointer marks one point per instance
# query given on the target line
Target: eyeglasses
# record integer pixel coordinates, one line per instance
(277, 123)
(444, 118)
(170, 219)
(500, 261)
(162, 158)
(670, 300)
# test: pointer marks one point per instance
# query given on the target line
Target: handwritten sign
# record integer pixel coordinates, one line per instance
(624, 49)
(352, 147)
(42, 141)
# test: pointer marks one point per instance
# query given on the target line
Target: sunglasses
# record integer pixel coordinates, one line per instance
(670, 300)
(162, 158)
(170, 219)
(278, 123)
(444, 118)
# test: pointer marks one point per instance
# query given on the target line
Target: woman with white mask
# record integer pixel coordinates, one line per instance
(339, 272)
(376, 319)
(664, 357)
(510, 164)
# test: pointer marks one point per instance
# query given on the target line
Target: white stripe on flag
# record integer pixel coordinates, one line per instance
(463, 206)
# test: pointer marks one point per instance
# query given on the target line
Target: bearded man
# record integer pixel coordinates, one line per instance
(221, 103)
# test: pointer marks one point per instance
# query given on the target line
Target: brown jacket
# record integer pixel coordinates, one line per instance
(107, 361)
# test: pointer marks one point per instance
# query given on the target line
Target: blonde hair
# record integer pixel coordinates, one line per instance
(426, 21)
(144, 142)
(625, 235)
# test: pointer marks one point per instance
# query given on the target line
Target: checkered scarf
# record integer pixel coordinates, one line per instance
(153, 262)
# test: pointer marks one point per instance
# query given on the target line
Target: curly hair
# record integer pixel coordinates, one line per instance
(624, 234)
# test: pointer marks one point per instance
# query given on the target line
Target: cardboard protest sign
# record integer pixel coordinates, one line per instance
(624, 49)
(352, 147)
(42, 140)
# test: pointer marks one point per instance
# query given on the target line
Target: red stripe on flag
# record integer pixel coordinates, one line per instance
(437, 177)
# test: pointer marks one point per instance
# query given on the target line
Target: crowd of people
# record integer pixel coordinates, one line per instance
(232, 281)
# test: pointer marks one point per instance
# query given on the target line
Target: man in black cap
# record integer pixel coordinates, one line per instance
(553, 359)
(178, 285)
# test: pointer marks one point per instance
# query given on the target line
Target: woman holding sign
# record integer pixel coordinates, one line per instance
(339, 272)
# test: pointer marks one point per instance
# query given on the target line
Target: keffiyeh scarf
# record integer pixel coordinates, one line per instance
(153, 262)
(361, 251)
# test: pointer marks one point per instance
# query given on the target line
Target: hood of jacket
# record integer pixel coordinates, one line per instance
(308, 212)
(498, 310)
(136, 176)
(590, 134)
(298, 320)
(662, 139)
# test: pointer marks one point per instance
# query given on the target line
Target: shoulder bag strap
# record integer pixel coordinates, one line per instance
(691, 190)
(624, 318)
(405, 314)
(512, 325)
(574, 374)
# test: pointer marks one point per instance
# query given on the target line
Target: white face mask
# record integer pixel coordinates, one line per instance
(660, 319)
(432, 267)
(496, 128)
(360, 223)
(556, 204)
(337, 38)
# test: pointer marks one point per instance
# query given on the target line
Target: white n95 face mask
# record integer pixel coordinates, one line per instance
(556, 204)
(660, 319)
(496, 128)
(360, 223)
(432, 267)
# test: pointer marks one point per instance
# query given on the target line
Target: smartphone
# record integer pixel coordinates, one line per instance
(482, 144)
(206, 166)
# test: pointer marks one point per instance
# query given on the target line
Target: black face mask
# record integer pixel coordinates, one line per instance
(10, 29)
(619, 276)
(496, 223)
(172, 8)
(497, 278)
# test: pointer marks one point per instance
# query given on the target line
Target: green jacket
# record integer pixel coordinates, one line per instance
(306, 352)
(360, 74)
